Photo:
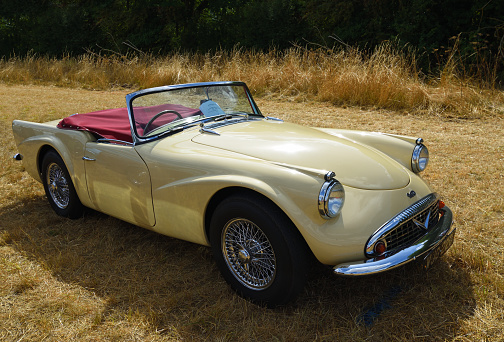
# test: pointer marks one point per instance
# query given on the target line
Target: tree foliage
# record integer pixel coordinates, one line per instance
(432, 27)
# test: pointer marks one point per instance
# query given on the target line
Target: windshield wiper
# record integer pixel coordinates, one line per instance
(204, 120)
(218, 117)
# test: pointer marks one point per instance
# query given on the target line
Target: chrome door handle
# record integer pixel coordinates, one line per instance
(88, 159)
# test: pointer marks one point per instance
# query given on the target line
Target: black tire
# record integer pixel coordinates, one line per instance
(258, 250)
(59, 188)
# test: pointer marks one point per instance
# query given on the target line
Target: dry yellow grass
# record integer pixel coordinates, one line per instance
(385, 78)
(100, 279)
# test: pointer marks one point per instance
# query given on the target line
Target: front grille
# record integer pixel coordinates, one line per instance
(409, 232)
(408, 226)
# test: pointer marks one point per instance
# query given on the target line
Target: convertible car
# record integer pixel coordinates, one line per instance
(199, 162)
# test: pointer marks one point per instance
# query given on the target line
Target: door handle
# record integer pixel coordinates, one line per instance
(88, 159)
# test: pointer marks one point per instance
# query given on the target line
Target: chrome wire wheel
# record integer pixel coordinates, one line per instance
(57, 185)
(248, 254)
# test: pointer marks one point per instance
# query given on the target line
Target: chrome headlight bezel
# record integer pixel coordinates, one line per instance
(331, 198)
(419, 158)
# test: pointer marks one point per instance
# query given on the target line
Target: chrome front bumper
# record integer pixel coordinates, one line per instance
(431, 246)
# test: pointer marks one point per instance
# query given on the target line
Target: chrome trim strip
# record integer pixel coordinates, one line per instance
(422, 249)
(405, 215)
(104, 140)
(18, 156)
(273, 119)
(227, 122)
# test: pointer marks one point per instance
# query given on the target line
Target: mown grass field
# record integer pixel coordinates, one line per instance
(100, 279)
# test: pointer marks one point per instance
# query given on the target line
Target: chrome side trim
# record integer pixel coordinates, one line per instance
(420, 250)
(405, 215)
(18, 156)
(116, 141)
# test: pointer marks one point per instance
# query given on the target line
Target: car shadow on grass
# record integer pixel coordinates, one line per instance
(168, 286)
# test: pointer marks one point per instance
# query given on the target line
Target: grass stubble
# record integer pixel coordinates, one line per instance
(98, 278)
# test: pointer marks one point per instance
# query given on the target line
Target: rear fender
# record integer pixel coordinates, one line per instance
(33, 140)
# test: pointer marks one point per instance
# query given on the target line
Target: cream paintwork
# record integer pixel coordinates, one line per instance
(296, 145)
(32, 137)
(118, 183)
(188, 168)
(397, 147)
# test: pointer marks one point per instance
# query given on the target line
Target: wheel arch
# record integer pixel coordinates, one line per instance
(224, 193)
(43, 150)
(78, 182)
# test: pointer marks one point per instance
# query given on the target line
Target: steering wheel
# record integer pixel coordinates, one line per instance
(167, 111)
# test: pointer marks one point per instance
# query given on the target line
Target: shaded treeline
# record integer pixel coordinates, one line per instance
(433, 28)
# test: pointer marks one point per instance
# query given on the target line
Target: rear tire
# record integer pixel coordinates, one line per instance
(259, 252)
(59, 188)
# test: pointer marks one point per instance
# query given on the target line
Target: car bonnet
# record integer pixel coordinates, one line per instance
(355, 164)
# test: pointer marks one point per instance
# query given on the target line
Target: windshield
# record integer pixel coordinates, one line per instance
(159, 112)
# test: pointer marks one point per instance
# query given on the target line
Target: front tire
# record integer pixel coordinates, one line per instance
(258, 250)
(59, 188)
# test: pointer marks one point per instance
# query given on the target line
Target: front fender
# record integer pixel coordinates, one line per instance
(180, 206)
(398, 147)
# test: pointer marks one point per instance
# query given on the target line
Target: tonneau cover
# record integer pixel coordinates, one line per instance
(115, 124)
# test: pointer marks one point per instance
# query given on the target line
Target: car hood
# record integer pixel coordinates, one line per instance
(355, 165)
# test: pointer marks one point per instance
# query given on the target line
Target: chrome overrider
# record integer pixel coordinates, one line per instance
(420, 250)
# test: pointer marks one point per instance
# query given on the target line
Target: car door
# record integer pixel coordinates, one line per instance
(119, 183)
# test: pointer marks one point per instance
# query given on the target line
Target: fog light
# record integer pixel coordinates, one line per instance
(380, 248)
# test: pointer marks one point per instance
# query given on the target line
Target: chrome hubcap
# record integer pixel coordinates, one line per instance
(248, 254)
(244, 256)
(58, 186)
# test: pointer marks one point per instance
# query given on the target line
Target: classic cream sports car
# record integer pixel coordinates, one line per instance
(199, 162)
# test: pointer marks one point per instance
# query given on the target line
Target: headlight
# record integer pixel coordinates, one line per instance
(331, 197)
(420, 158)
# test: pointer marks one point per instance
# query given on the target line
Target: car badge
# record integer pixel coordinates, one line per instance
(424, 225)
(411, 194)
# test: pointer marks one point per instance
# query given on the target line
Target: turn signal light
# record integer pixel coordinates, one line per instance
(380, 248)
(441, 205)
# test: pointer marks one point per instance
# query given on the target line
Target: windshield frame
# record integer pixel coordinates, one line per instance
(138, 139)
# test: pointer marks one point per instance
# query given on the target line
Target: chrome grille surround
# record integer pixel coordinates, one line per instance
(402, 231)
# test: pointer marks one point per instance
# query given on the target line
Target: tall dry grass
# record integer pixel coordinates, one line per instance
(384, 78)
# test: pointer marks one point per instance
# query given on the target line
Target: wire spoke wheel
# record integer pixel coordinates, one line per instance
(257, 249)
(248, 254)
(58, 186)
